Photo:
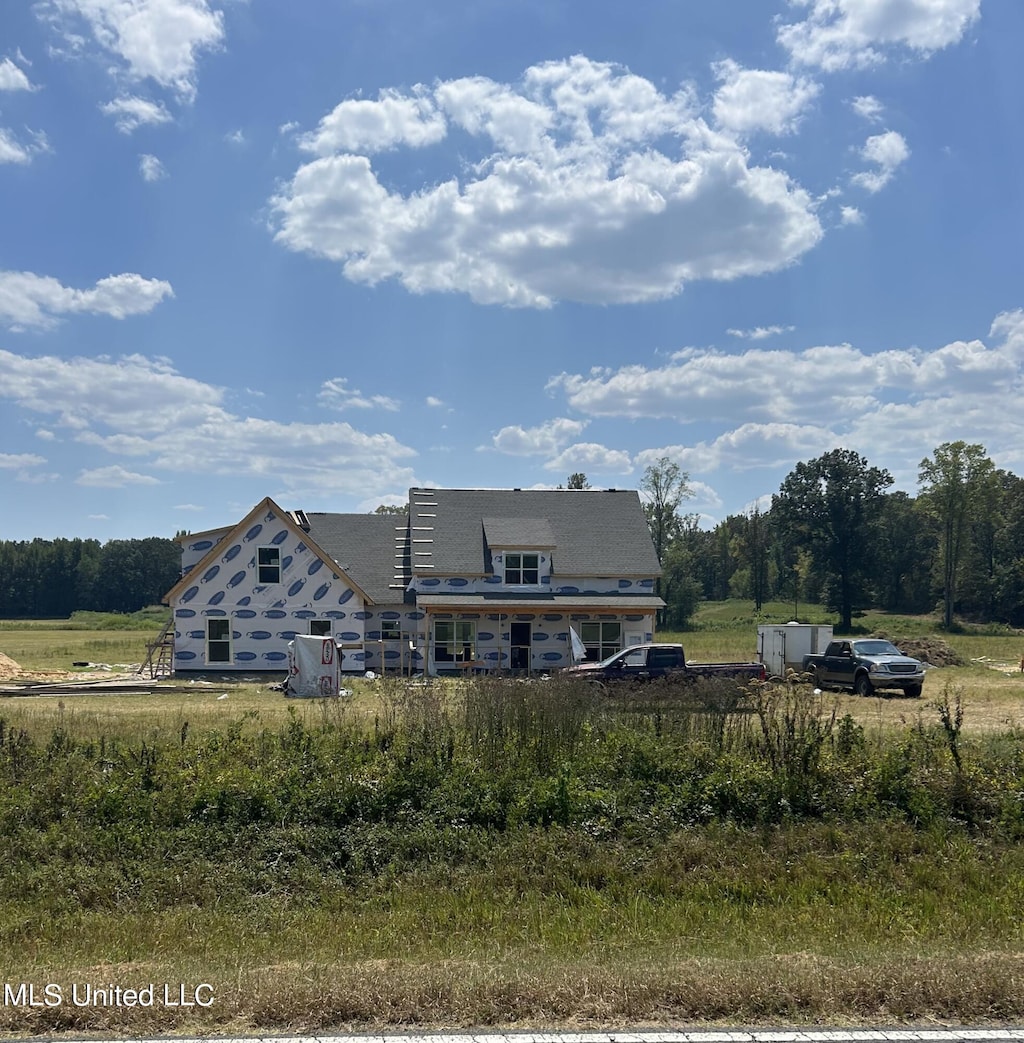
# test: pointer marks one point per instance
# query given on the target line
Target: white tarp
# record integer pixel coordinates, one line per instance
(312, 667)
(578, 648)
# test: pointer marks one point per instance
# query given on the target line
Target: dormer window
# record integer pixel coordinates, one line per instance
(521, 569)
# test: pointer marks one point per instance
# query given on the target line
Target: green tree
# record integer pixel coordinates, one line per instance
(666, 486)
(577, 480)
(905, 545)
(751, 545)
(391, 508)
(830, 506)
(957, 486)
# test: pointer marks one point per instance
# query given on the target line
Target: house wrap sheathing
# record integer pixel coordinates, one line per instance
(468, 580)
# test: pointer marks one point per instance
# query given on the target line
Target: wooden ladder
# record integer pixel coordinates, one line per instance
(159, 653)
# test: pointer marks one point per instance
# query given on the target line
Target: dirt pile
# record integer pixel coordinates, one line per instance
(8, 667)
(930, 649)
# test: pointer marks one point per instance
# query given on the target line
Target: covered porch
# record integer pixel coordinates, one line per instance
(529, 634)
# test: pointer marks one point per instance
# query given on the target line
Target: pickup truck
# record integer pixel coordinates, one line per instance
(864, 665)
(653, 662)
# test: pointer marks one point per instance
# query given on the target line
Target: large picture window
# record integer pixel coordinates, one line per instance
(602, 639)
(454, 641)
(522, 569)
(218, 641)
(268, 565)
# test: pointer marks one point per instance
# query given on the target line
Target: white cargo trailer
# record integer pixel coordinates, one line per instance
(782, 646)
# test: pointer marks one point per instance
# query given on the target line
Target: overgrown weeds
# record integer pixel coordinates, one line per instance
(541, 829)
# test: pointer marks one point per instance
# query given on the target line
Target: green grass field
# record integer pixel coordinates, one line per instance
(95, 637)
(528, 855)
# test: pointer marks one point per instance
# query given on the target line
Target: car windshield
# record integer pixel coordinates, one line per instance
(875, 648)
(614, 657)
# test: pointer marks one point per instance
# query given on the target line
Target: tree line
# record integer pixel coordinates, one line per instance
(51, 579)
(835, 534)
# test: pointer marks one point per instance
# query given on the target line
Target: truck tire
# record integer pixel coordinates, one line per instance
(862, 685)
(913, 691)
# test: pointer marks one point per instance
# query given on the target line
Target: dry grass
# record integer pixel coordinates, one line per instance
(389, 994)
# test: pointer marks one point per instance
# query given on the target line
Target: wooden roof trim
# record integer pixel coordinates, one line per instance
(285, 518)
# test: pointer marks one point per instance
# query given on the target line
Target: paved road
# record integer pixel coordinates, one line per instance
(805, 1035)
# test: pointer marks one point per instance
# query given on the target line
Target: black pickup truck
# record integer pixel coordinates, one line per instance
(659, 661)
(865, 665)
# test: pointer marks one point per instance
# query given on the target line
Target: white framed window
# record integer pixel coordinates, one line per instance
(454, 641)
(218, 640)
(521, 569)
(390, 629)
(602, 638)
(320, 628)
(268, 565)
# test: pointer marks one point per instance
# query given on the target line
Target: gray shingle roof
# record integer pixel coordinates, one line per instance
(518, 532)
(371, 548)
(593, 532)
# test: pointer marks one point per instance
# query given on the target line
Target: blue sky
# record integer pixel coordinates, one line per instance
(325, 251)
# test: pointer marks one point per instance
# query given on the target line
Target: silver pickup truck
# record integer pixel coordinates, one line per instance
(865, 664)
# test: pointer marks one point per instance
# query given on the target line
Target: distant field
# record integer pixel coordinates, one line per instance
(95, 637)
(991, 685)
(993, 697)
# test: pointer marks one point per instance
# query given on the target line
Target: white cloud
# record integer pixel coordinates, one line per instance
(839, 34)
(434, 402)
(131, 112)
(758, 100)
(589, 456)
(18, 461)
(372, 126)
(547, 438)
(850, 215)
(704, 496)
(760, 332)
(143, 409)
(907, 400)
(29, 300)
(114, 477)
(868, 107)
(235, 137)
(188, 507)
(335, 394)
(158, 40)
(14, 151)
(591, 185)
(887, 151)
(747, 447)
(12, 78)
(151, 168)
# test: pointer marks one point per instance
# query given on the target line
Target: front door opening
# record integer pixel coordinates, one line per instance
(519, 654)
